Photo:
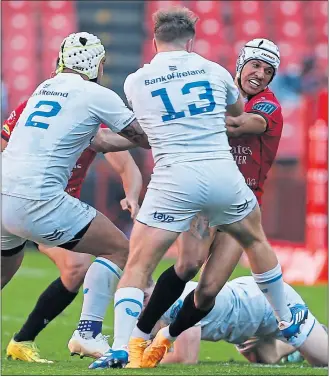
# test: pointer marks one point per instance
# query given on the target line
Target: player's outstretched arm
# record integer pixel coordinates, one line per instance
(125, 166)
(245, 124)
(135, 134)
(186, 348)
(107, 141)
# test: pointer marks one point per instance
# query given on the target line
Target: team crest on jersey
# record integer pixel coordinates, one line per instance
(265, 107)
(6, 129)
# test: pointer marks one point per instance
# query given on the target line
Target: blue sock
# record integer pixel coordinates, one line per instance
(92, 328)
(272, 285)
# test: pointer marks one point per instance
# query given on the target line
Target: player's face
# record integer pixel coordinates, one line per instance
(255, 76)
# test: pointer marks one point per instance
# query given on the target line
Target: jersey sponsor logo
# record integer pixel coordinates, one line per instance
(265, 107)
(163, 217)
(172, 68)
(174, 75)
(44, 92)
(240, 154)
(6, 129)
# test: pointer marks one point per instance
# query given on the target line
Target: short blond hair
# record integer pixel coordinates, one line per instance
(175, 23)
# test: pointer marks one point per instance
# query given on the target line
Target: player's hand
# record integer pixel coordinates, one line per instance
(130, 205)
(232, 128)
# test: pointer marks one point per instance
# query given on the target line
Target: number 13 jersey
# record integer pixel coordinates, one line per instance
(57, 125)
(180, 101)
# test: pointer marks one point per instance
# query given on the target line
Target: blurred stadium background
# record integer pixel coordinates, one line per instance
(295, 202)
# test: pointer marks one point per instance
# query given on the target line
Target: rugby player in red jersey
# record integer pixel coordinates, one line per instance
(254, 138)
(72, 266)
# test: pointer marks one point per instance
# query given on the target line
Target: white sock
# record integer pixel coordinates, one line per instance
(128, 304)
(166, 334)
(137, 333)
(99, 285)
(271, 284)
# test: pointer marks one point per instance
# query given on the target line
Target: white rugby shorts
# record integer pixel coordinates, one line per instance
(177, 193)
(51, 222)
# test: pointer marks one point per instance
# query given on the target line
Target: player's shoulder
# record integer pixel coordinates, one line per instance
(97, 93)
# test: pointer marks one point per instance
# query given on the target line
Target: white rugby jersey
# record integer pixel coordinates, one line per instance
(59, 121)
(180, 101)
(241, 311)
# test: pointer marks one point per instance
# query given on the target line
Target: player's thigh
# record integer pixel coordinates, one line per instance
(193, 247)
(147, 247)
(102, 238)
(248, 230)
(225, 253)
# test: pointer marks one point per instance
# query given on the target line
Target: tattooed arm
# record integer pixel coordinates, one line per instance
(135, 134)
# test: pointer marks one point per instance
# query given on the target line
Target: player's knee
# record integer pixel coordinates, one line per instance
(187, 269)
(73, 274)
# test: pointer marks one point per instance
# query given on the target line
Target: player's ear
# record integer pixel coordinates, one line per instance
(189, 45)
(155, 45)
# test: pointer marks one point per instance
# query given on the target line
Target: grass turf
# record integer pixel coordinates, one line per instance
(219, 358)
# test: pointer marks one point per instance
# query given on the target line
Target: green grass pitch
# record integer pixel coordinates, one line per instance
(220, 358)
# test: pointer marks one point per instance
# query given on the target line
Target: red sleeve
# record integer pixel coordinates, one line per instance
(270, 110)
(10, 123)
(103, 125)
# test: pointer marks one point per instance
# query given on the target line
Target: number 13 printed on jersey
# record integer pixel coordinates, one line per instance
(193, 109)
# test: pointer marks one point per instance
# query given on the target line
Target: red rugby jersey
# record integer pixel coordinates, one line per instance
(254, 154)
(81, 167)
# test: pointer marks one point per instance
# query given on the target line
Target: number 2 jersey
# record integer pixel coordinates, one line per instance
(180, 101)
(57, 125)
(81, 167)
(254, 154)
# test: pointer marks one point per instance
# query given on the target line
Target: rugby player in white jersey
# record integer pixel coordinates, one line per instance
(58, 123)
(180, 99)
(242, 316)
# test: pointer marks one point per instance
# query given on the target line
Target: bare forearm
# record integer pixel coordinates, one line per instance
(135, 134)
(132, 182)
(108, 141)
(245, 124)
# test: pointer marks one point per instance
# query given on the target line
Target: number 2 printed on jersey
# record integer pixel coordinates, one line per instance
(193, 109)
(52, 109)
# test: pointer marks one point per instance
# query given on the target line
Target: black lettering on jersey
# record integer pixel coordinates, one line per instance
(265, 107)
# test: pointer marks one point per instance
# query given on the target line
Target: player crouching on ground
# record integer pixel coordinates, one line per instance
(242, 316)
